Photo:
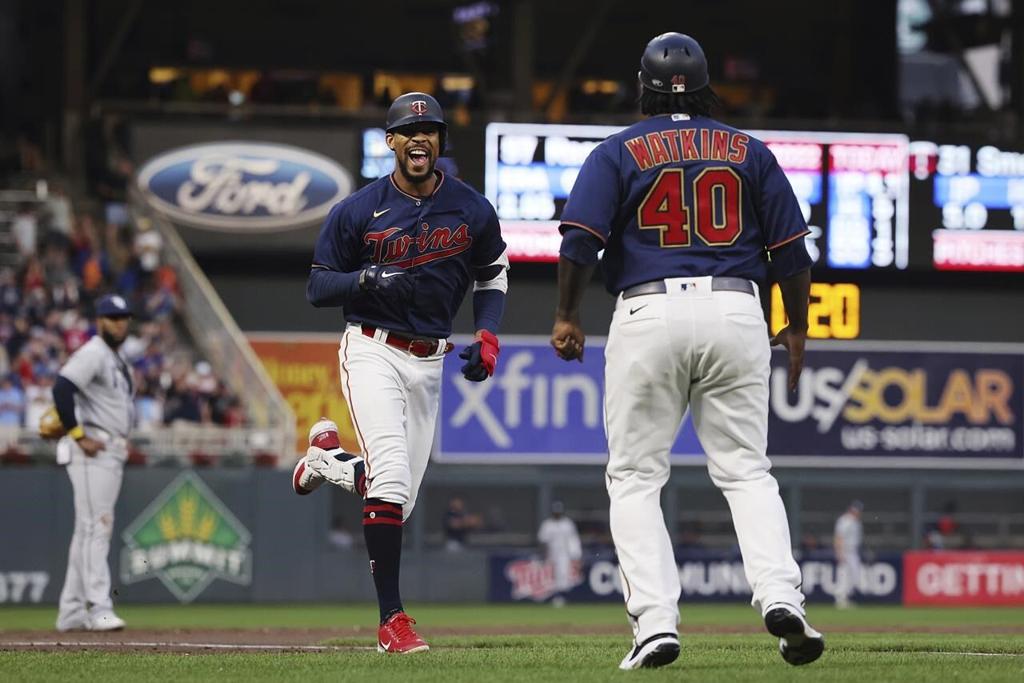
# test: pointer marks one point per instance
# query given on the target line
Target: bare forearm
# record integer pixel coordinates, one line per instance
(796, 292)
(572, 283)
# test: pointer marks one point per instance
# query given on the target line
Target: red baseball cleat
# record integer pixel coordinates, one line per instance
(396, 636)
(324, 434)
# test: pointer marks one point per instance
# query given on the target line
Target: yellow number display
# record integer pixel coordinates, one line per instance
(832, 313)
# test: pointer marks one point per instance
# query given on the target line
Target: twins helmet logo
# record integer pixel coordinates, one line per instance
(679, 83)
(419, 107)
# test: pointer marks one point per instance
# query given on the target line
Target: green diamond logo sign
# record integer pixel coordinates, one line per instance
(186, 538)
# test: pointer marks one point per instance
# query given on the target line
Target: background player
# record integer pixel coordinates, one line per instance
(846, 542)
(399, 256)
(562, 547)
(93, 396)
(686, 209)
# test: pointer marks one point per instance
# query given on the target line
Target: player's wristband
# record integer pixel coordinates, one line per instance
(76, 432)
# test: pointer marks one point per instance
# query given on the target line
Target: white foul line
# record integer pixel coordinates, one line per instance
(210, 646)
(969, 654)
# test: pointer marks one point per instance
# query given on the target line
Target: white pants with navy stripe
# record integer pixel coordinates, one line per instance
(707, 351)
(393, 398)
(96, 483)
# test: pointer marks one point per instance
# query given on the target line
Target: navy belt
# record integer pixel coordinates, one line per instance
(718, 284)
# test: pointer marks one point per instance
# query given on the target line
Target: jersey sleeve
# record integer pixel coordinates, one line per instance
(595, 197)
(781, 217)
(488, 245)
(82, 366)
(337, 246)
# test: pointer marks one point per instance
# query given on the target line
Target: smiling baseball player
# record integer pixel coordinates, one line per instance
(398, 256)
(686, 210)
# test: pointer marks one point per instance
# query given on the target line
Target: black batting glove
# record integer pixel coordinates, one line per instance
(389, 281)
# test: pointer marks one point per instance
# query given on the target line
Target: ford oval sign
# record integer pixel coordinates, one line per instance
(243, 186)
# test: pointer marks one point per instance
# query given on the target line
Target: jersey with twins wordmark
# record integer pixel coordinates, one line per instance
(681, 196)
(440, 240)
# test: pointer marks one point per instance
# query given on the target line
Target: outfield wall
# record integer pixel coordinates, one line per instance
(222, 535)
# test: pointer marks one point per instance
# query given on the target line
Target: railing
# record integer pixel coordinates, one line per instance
(271, 421)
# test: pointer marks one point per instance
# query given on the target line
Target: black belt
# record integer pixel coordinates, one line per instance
(718, 284)
(419, 347)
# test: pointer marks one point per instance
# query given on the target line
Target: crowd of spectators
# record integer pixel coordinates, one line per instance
(58, 263)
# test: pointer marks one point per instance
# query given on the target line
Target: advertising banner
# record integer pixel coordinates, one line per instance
(857, 403)
(705, 576)
(537, 408)
(898, 402)
(305, 370)
(963, 578)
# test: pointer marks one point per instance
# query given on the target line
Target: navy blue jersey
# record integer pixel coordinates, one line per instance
(681, 196)
(440, 239)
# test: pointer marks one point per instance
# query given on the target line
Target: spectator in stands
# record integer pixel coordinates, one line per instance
(38, 397)
(149, 409)
(10, 293)
(12, 402)
(25, 229)
(947, 524)
(457, 524)
(182, 401)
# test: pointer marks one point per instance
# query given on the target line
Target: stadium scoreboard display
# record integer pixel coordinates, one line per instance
(873, 201)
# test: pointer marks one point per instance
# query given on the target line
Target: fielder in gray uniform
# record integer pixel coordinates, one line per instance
(93, 397)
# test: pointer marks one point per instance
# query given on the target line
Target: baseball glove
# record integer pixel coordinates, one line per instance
(50, 426)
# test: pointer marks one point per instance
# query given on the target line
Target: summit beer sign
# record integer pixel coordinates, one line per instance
(243, 186)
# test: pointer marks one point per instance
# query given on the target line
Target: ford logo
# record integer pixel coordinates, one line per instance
(243, 186)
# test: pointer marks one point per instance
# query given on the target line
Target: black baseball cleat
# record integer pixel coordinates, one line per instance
(658, 650)
(798, 642)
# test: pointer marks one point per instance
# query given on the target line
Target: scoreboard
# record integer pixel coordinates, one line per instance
(873, 201)
(968, 201)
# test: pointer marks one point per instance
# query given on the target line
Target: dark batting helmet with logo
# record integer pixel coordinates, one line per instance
(415, 107)
(673, 63)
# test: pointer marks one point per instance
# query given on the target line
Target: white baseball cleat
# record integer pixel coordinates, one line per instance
(105, 621)
(798, 642)
(658, 650)
(77, 620)
(337, 467)
(305, 479)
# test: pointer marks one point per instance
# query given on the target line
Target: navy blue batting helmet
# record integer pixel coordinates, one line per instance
(673, 63)
(415, 107)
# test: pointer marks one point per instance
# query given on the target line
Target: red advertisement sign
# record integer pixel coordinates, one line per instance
(963, 578)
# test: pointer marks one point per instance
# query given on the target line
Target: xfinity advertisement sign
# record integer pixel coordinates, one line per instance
(537, 408)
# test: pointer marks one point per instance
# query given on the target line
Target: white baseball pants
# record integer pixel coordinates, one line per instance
(96, 483)
(393, 398)
(848, 570)
(707, 351)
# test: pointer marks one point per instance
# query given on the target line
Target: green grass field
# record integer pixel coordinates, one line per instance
(720, 643)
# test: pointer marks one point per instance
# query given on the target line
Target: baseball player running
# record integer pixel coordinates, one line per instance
(398, 256)
(686, 210)
(93, 397)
